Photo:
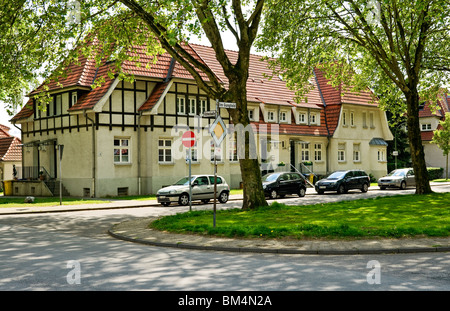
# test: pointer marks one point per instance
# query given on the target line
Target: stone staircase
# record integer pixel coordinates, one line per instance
(53, 186)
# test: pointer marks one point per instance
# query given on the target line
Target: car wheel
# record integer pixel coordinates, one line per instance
(403, 185)
(273, 194)
(301, 192)
(365, 188)
(341, 189)
(223, 197)
(184, 199)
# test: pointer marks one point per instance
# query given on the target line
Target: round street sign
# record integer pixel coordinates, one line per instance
(188, 139)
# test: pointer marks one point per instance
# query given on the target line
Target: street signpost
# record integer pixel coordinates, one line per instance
(188, 140)
(218, 131)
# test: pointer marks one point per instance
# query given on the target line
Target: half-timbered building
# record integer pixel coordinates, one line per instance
(123, 138)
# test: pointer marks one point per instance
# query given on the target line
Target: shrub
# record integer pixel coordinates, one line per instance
(434, 172)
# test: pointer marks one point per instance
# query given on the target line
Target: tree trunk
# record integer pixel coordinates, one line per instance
(415, 143)
(246, 144)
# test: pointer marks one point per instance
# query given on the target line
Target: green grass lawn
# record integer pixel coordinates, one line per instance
(397, 216)
(44, 201)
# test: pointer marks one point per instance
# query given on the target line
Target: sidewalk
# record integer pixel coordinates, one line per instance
(137, 231)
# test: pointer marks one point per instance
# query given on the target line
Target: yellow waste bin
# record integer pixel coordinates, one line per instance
(311, 178)
(7, 187)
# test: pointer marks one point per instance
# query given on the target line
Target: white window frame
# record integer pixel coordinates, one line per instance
(302, 118)
(304, 152)
(194, 153)
(352, 119)
(318, 152)
(283, 116)
(381, 155)
(203, 105)
(356, 153)
(344, 118)
(251, 114)
(166, 151)
(192, 106)
(425, 126)
(181, 105)
(124, 144)
(271, 116)
(232, 149)
(313, 118)
(58, 105)
(341, 152)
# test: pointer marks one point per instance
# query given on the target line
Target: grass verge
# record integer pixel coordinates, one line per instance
(45, 201)
(397, 216)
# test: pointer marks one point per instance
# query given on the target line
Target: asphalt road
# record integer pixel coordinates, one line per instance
(72, 252)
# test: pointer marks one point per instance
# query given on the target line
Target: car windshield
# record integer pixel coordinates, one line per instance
(184, 181)
(336, 175)
(270, 177)
(397, 173)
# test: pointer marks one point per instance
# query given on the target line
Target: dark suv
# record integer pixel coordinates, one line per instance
(279, 184)
(342, 181)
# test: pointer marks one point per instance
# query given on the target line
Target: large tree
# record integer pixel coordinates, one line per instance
(158, 24)
(399, 48)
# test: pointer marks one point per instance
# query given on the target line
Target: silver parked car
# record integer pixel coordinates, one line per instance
(202, 189)
(399, 178)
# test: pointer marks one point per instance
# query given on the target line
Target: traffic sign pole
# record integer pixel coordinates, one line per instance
(190, 184)
(188, 140)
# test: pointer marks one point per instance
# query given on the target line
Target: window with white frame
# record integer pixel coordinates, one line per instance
(121, 150)
(164, 150)
(203, 105)
(58, 105)
(352, 118)
(181, 105)
(341, 152)
(74, 98)
(364, 119)
(313, 118)
(232, 149)
(304, 151)
(371, 120)
(302, 117)
(426, 126)
(251, 114)
(381, 155)
(317, 152)
(194, 153)
(192, 106)
(344, 118)
(283, 116)
(217, 152)
(271, 116)
(356, 153)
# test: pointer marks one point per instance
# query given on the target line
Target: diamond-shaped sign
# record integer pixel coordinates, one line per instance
(218, 131)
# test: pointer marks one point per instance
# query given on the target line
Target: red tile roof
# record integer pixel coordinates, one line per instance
(443, 106)
(157, 92)
(343, 94)
(26, 111)
(259, 87)
(10, 149)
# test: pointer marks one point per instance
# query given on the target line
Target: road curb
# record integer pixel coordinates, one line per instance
(267, 250)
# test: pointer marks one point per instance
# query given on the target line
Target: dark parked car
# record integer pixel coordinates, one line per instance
(279, 184)
(399, 178)
(342, 181)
